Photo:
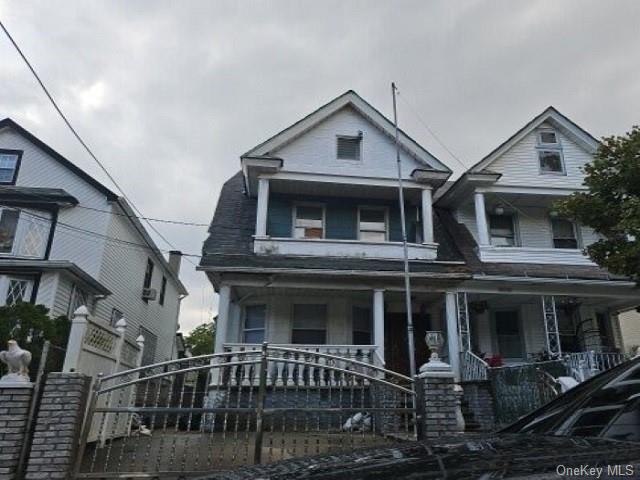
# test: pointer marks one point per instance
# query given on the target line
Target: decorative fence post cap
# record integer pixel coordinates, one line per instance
(121, 325)
(81, 311)
(17, 361)
(140, 340)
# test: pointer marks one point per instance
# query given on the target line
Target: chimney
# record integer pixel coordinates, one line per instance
(175, 257)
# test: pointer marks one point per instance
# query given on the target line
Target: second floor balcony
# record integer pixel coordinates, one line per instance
(354, 217)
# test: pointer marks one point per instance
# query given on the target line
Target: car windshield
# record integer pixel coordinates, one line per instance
(607, 406)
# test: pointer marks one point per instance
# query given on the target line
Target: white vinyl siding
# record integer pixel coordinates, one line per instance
(315, 150)
(520, 164)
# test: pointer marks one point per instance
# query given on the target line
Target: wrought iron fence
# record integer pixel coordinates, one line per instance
(200, 414)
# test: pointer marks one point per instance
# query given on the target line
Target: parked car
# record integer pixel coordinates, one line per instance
(592, 431)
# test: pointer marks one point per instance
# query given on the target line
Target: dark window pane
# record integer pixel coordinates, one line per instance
(501, 230)
(348, 148)
(254, 316)
(308, 212)
(313, 337)
(591, 424)
(548, 137)
(372, 215)
(8, 226)
(254, 336)
(626, 427)
(508, 334)
(361, 318)
(550, 161)
(8, 163)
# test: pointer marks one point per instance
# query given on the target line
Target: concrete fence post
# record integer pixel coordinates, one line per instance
(76, 337)
(441, 395)
(121, 328)
(58, 426)
(140, 342)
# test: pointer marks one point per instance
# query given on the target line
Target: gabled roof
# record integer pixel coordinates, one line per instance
(8, 123)
(111, 196)
(549, 115)
(355, 101)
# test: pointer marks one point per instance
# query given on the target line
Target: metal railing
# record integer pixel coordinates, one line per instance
(583, 365)
(268, 404)
(472, 367)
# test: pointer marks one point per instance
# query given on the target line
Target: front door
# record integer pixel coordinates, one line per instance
(396, 346)
(509, 335)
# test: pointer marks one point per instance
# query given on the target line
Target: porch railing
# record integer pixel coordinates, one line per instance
(472, 367)
(583, 365)
(312, 365)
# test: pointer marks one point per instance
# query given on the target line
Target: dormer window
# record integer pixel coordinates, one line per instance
(349, 147)
(550, 152)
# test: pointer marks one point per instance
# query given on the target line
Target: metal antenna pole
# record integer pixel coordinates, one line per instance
(407, 281)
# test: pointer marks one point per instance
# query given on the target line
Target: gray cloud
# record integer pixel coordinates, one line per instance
(169, 94)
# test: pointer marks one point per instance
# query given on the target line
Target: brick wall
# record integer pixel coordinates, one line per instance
(479, 400)
(58, 426)
(14, 410)
(441, 406)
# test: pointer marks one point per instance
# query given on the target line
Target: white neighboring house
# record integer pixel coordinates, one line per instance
(305, 246)
(66, 240)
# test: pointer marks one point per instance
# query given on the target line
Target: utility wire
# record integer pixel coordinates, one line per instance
(433, 134)
(151, 219)
(79, 138)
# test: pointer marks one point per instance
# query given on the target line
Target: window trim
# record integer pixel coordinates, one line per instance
(547, 145)
(386, 220)
(294, 212)
(22, 229)
(326, 321)
(18, 153)
(243, 328)
(576, 233)
(358, 137)
(28, 292)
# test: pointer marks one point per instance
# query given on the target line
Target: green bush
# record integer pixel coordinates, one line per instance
(31, 326)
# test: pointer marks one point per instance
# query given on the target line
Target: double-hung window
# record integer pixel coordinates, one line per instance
(308, 221)
(9, 165)
(564, 233)
(254, 323)
(372, 224)
(309, 324)
(550, 152)
(502, 230)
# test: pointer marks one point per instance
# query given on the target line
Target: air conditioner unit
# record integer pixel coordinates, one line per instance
(149, 293)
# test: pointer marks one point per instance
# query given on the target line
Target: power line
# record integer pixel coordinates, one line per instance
(433, 134)
(82, 142)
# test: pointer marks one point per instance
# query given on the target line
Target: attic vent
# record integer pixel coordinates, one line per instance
(349, 148)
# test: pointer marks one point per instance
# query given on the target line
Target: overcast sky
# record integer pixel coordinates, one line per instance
(169, 94)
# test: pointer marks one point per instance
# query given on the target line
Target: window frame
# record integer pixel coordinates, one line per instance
(576, 234)
(18, 154)
(294, 214)
(359, 138)
(514, 224)
(386, 221)
(556, 148)
(7, 284)
(243, 329)
(326, 321)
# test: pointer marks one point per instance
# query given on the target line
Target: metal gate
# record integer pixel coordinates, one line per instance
(195, 415)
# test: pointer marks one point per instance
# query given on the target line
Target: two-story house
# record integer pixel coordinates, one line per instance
(305, 245)
(66, 240)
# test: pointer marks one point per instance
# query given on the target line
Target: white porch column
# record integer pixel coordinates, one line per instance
(263, 207)
(453, 339)
(223, 317)
(427, 216)
(481, 219)
(378, 321)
